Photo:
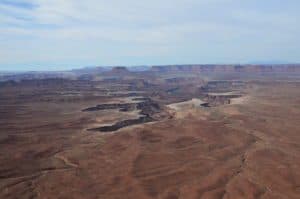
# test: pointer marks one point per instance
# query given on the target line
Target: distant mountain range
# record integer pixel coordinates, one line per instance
(89, 73)
(228, 68)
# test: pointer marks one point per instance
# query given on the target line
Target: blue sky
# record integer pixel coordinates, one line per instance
(65, 34)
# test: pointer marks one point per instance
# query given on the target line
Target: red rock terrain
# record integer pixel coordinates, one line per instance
(245, 148)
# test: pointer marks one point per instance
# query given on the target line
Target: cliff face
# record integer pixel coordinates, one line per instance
(228, 68)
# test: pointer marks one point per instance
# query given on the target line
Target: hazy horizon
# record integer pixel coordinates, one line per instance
(51, 35)
(62, 69)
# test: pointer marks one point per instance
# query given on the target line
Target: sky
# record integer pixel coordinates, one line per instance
(65, 34)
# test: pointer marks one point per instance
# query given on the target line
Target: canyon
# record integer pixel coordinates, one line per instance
(182, 131)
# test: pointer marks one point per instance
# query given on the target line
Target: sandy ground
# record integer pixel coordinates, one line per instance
(193, 103)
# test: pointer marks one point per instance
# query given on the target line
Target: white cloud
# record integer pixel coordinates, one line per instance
(144, 28)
